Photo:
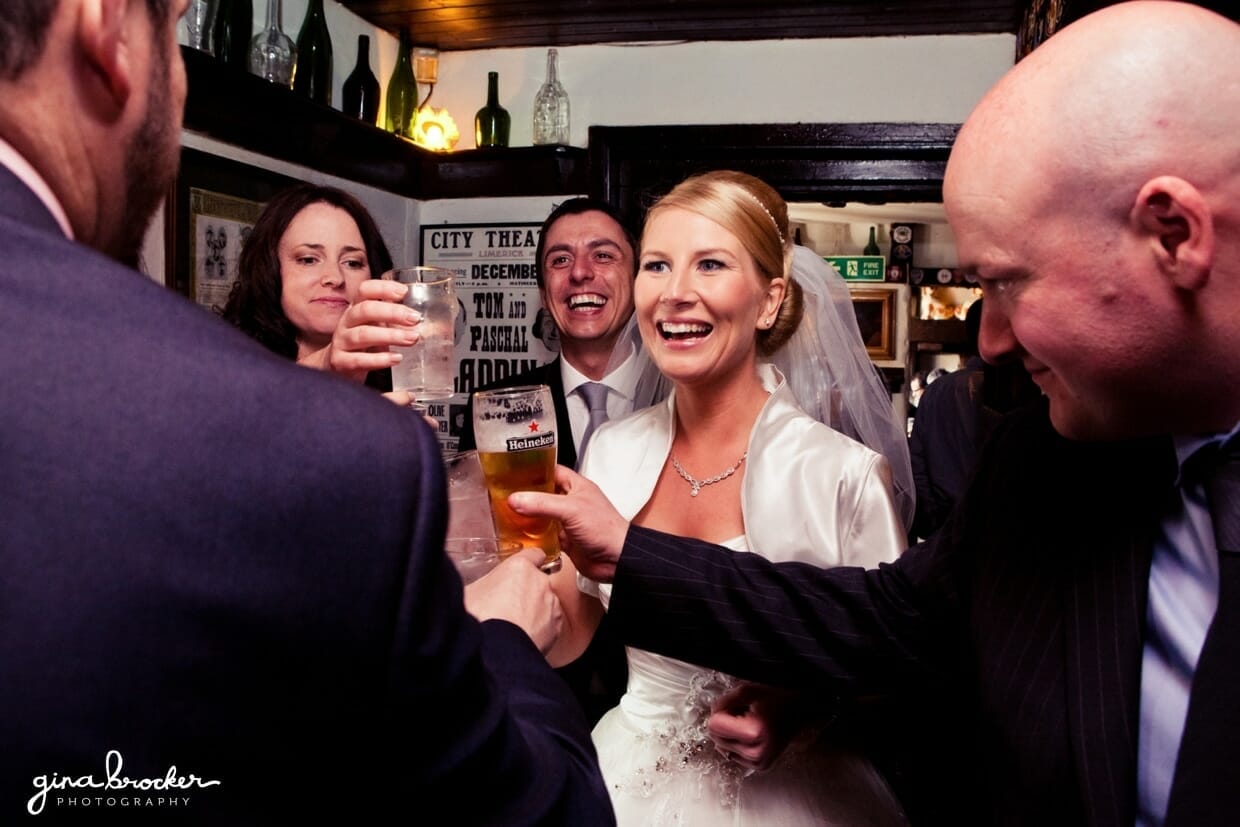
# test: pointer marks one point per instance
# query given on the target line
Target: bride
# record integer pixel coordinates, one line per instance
(733, 457)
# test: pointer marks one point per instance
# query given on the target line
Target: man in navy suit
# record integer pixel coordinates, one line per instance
(223, 595)
(1095, 192)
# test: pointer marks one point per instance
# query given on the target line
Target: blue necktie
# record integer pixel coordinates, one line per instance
(595, 395)
(1206, 788)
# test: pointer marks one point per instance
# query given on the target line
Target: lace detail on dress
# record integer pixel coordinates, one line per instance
(687, 747)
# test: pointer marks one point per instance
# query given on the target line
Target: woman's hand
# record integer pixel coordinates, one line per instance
(375, 320)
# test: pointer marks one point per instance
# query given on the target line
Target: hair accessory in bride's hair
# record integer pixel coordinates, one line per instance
(768, 212)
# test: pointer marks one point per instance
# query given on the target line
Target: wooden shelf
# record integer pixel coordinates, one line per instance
(244, 110)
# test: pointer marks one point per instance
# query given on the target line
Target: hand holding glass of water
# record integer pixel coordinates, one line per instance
(425, 367)
(515, 430)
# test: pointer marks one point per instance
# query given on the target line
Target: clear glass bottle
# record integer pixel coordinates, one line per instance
(492, 122)
(272, 53)
(402, 91)
(199, 20)
(361, 87)
(313, 77)
(230, 36)
(551, 107)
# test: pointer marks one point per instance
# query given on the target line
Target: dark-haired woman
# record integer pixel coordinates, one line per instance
(307, 286)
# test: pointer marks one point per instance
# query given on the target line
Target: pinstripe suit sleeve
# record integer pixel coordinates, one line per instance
(788, 624)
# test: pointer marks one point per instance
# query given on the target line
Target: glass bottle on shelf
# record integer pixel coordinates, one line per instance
(313, 77)
(871, 247)
(199, 20)
(230, 36)
(551, 107)
(361, 87)
(492, 121)
(272, 53)
(402, 91)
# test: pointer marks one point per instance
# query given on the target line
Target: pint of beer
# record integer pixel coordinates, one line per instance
(515, 431)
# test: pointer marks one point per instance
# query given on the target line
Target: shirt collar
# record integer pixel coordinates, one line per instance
(1188, 446)
(622, 380)
(28, 175)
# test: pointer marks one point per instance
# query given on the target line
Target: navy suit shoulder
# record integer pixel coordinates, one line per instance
(217, 560)
(1031, 600)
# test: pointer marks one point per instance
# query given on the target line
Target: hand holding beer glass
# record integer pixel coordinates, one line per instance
(515, 431)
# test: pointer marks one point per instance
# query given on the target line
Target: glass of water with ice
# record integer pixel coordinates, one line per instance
(425, 368)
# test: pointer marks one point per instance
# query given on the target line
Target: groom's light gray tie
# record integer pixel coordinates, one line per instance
(595, 394)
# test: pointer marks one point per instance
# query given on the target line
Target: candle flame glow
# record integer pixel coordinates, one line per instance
(435, 129)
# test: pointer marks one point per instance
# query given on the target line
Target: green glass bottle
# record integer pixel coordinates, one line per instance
(361, 87)
(230, 36)
(492, 121)
(313, 77)
(871, 247)
(402, 91)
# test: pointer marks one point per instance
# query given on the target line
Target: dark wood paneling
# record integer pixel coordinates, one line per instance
(493, 173)
(829, 163)
(246, 111)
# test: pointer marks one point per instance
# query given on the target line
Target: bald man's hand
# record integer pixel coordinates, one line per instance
(591, 530)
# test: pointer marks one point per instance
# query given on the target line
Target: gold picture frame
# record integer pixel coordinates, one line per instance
(876, 317)
(214, 203)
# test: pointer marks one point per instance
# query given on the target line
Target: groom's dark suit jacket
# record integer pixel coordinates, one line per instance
(213, 559)
(1032, 599)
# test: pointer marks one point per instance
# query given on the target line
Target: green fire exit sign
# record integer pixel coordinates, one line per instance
(859, 268)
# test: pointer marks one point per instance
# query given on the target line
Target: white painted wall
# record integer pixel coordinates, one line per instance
(915, 79)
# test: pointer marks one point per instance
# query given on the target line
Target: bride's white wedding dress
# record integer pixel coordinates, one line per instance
(809, 494)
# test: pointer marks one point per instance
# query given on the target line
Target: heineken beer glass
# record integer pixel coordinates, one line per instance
(515, 431)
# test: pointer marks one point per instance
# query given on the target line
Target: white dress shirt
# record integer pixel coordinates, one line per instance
(1183, 596)
(621, 386)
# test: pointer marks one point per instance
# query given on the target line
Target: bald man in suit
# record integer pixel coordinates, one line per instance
(1084, 592)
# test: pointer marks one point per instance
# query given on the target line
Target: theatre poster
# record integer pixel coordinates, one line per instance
(500, 329)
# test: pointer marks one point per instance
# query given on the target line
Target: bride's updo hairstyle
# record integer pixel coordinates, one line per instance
(752, 211)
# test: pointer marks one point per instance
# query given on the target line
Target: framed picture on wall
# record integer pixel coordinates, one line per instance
(876, 316)
(214, 203)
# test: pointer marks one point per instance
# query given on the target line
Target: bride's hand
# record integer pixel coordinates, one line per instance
(752, 724)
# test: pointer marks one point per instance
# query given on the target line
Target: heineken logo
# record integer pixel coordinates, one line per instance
(525, 443)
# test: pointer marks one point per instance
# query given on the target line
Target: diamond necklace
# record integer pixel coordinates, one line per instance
(697, 484)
